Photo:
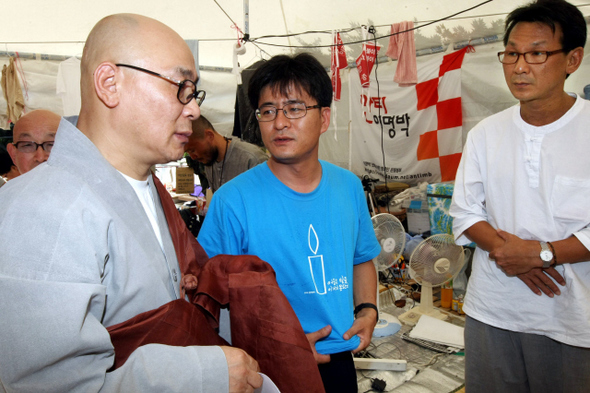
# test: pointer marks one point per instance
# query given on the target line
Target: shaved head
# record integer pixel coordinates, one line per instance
(37, 126)
(37, 119)
(133, 116)
(130, 39)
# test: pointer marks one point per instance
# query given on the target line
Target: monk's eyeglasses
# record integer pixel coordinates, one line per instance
(187, 89)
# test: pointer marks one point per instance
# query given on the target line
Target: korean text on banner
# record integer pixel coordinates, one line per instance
(420, 126)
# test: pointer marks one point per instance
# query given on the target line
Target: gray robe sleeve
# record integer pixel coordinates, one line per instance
(74, 260)
(50, 340)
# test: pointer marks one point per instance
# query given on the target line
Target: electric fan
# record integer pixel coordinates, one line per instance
(434, 261)
(392, 237)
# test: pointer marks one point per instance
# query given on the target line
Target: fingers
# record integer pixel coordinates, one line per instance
(530, 284)
(556, 276)
(363, 328)
(547, 285)
(188, 282)
(363, 344)
(360, 323)
(539, 282)
(242, 369)
(254, 381)
(354, 329)
(320, 358)
(503, 234)
(314, 337)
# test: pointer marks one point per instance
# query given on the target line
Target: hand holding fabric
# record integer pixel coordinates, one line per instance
(242, 369)
(363, 327)
(315, 337)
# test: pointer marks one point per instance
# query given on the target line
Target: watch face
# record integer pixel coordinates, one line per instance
(546, 256)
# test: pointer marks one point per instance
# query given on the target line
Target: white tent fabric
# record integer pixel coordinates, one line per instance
(45, 29)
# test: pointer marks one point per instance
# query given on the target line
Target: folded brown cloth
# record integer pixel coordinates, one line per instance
(262, 321)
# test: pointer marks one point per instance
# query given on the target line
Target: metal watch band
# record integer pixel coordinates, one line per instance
(546, 255)
(554, 254)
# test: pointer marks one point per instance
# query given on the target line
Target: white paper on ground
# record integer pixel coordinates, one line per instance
(268, 385)
(435, 330)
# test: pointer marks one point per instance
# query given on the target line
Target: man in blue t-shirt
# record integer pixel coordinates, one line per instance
(306, 217)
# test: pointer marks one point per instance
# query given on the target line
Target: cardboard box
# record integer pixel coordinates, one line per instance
(185, 180)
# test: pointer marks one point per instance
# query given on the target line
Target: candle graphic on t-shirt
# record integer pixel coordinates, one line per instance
(316, 262)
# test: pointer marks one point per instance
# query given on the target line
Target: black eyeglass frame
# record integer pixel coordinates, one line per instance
(43, 145)
(196, 95)
(258, 113)
(524, 55)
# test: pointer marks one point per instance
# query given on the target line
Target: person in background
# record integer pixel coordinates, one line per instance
(224, 158)
(521, 194)
(8, 170)
(306, 217)
(86, 244)
(33, 136)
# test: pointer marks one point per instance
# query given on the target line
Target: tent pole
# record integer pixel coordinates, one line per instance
(247, 18)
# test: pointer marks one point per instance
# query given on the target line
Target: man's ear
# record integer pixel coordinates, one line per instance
(209, 134)
(106, 78)
(11, 151)
(574, 59)
(326, 112)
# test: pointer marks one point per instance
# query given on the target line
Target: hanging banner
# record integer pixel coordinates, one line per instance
(409, 134)
(365, 62)
(338, 62)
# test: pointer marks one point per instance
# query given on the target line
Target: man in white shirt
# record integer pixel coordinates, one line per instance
(521, 194)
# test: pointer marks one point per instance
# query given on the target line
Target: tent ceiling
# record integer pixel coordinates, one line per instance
(61, 27)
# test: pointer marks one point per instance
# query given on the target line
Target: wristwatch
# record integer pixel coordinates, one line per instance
(546, 255)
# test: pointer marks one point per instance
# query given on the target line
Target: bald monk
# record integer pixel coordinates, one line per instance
(100, 251)
(33, 137)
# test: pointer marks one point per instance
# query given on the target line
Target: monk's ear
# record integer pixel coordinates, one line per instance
(11, 151)
(106, 83)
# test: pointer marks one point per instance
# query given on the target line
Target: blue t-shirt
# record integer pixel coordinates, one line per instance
(311, 240)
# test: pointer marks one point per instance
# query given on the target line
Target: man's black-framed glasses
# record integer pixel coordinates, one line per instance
(532, 57)
(294, 110)
(187, 89)
(31, 147)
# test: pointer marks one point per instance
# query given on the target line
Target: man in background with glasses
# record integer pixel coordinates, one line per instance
(521, 193)
(85, 243)
(306, 217)
(33, 137)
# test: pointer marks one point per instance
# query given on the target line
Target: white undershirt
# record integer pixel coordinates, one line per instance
(144, 193)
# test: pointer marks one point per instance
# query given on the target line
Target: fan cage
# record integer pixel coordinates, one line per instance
(436, 260)
(391, 234)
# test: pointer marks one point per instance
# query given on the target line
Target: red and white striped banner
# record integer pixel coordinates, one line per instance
(419, 128)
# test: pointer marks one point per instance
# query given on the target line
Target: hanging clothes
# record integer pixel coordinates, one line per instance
(366, 61)
(338, 62)
(68, 86)
(403, 48)
(13, 94)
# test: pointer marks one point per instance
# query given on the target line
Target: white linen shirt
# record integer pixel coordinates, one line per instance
(533, 182)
